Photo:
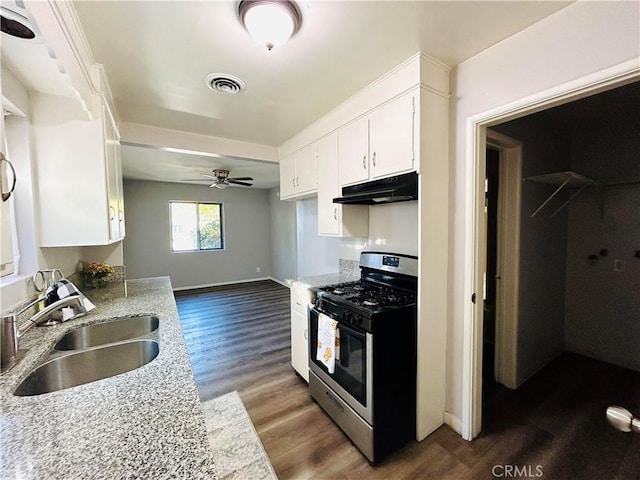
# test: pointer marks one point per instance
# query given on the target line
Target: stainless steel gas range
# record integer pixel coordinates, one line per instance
(368, 384)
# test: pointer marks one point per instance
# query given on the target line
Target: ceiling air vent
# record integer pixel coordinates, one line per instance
(225, 83)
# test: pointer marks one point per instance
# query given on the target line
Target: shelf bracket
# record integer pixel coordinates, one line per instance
(566, 179)
(562, 185)
(568, 201)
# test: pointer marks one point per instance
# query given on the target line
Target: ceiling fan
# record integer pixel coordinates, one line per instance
(221, 179)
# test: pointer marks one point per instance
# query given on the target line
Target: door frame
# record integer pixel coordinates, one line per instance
(508, 256)
(475, 235)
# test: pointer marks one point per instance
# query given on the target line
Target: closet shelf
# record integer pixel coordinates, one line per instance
(566, 179)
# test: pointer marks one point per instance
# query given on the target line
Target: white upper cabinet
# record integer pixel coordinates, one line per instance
(391, 135)
(307, 170)
(288, 177)
(380, 144)
(299, 174)
(79, 175)
(113, 163)
(354, 152)
(335, 219)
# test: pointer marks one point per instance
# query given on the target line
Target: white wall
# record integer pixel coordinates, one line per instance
(579, 40)
(602, 304)
(392, 228)
(283, 237)
(316, 255)
(147, 250)
(19, 132)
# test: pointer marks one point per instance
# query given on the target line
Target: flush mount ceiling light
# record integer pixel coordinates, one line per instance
(270, 22)
(15, 23)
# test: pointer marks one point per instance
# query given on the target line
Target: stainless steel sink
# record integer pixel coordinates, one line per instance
(108, 332)
(88, 366)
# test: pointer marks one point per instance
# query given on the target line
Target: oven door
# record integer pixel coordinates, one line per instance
(353, 377)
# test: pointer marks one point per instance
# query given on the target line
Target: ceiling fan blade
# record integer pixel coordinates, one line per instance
(240, 178)
(232, 180)
(209, 176)
(195, 180)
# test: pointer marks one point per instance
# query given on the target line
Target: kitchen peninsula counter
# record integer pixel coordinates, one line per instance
(146, 423)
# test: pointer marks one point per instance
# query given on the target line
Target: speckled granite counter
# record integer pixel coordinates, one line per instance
(321, 280)
(146, 423)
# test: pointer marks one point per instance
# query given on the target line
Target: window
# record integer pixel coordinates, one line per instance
(196, 226)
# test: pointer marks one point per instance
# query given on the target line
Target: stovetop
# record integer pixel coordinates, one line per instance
(384, 295)
(368, 295)
(364, 305)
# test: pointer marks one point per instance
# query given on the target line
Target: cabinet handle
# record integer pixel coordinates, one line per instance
(335, 213)
(113, 213)
(364, 162)
(293, 182)
(297, 181)
(120, 215)
(373, 159)
(306, 334)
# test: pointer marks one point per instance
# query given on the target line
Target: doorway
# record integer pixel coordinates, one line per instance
(474, 266)
(491, 277)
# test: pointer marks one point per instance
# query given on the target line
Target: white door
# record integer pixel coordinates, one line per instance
(328, 186)
(307, 170)
(391, 133)
(354, 152)
(288, 176)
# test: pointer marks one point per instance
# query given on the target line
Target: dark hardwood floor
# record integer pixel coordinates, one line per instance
(553, 427)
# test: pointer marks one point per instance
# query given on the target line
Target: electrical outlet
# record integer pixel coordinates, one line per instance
(258, 269)
(619, 265)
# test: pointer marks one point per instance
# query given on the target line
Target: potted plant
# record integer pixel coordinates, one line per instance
(95, 274)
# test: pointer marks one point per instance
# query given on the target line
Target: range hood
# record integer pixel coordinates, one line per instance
(399, 188)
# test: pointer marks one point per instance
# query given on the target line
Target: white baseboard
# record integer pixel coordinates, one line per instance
(280, 282)
(454, 422)
(194, 287)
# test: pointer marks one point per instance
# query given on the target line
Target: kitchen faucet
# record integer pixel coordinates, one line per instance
(10, 332)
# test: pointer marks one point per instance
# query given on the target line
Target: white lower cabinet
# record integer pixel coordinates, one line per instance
(335, 219)
(299, 331)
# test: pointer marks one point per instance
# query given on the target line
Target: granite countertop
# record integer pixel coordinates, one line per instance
(146, 423)
(326, 279)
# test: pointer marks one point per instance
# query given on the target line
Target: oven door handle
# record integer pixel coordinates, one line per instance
(356, 333)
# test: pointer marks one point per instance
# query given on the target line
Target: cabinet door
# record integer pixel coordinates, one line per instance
(113, 179)
(120, 190)
(307, 170)
(288, 176)
(299, 344)
(391, 133)
(353, 152)
(328, 186)
(79, 166)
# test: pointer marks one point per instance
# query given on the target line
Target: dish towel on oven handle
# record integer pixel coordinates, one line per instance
(328, 342)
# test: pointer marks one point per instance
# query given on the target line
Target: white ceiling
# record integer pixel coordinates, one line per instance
(157, 54)
(143, 163)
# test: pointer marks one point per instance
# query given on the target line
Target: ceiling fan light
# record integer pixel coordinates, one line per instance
(269, 22)
(221, 185)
